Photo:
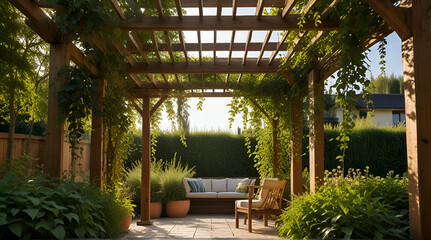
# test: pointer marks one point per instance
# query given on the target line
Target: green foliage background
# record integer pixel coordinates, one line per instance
(224, 155)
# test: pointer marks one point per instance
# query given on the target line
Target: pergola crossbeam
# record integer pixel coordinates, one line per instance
(223, 23)
(219, 67)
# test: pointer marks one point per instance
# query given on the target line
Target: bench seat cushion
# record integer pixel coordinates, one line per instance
(231, 195)
(255, 203)
(201, 195)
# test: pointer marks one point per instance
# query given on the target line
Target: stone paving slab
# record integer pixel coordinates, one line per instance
(199, 226)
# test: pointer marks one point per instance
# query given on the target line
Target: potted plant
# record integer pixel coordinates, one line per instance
(126, 209)
(177, 205)
(156, 198)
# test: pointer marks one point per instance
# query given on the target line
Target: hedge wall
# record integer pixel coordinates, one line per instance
(212, 154)
(381, 148)
(224, 155)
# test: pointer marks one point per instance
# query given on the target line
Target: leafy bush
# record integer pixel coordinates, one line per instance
(354, 207)
(41, 209)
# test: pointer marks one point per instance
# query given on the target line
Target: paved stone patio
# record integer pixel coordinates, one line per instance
(202, 226)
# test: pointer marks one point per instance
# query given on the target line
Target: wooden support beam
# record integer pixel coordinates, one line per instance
(244, 59)
(239, 78)
(137, 46)
(224, 23)
(200, 46)
(203, 68)
(219, 46)
(417, 88)
(259, 8)
(296, 149)
(146, 160)
(398, 18)
(137, 107)
(158, 94)
(260, 108)
(96, 146)
(214, 47)
(55, 163)
(187, 86)
(157, 105)
(232, 40)
(288, 78)
(219, 8)
(40, 19)
(118, 9)
(183, 45)
(81, 60)
(200, 6)
(316, 147)
(264, 45)
(179, 8)
(288, 7)
(228, 3)
(280, 43)
(234, 8)
(159, 8)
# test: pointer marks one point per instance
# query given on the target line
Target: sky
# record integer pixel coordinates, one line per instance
(215, 112)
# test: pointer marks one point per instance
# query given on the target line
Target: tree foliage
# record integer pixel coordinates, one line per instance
(384, 84)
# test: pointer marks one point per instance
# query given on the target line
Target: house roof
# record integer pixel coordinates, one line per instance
(383, 101)
(380, 101)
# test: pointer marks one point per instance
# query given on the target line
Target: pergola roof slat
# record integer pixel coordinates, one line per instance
(264, 45)
(223, 23)
(118, 10)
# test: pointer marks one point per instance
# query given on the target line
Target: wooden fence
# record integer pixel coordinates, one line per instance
(37, 151)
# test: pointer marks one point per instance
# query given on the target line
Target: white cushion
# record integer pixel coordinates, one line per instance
(207, 184)
(232, 195)
(201, 195)
(255, 203)
(218, 185)
(232, 183)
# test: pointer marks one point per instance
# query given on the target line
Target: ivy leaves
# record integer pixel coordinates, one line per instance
(75, 101)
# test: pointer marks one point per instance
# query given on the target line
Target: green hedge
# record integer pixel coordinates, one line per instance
(224, 155)
(212, 154)
(381, 148)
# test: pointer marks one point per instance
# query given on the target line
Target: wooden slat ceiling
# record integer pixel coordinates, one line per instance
(173, 63)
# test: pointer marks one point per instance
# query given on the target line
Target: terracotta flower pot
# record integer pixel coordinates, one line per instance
(155, 209)
(125, 223)
(177, 209)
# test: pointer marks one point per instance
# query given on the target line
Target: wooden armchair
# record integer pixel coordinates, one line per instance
(268, 202)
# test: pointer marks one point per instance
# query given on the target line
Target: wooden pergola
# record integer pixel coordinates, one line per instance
(411, 21)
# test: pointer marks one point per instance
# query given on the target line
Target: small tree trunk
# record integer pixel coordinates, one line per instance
(12, 122)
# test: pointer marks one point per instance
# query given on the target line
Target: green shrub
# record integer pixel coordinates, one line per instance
(355, 207)
(133, 182)
(172, 180)
(156, 190)
(40, 209)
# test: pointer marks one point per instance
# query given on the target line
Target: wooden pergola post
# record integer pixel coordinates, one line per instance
(316, 146)
(96, 148)
(296, 149)
(417, 87)
(54, 163)
(146, 158)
